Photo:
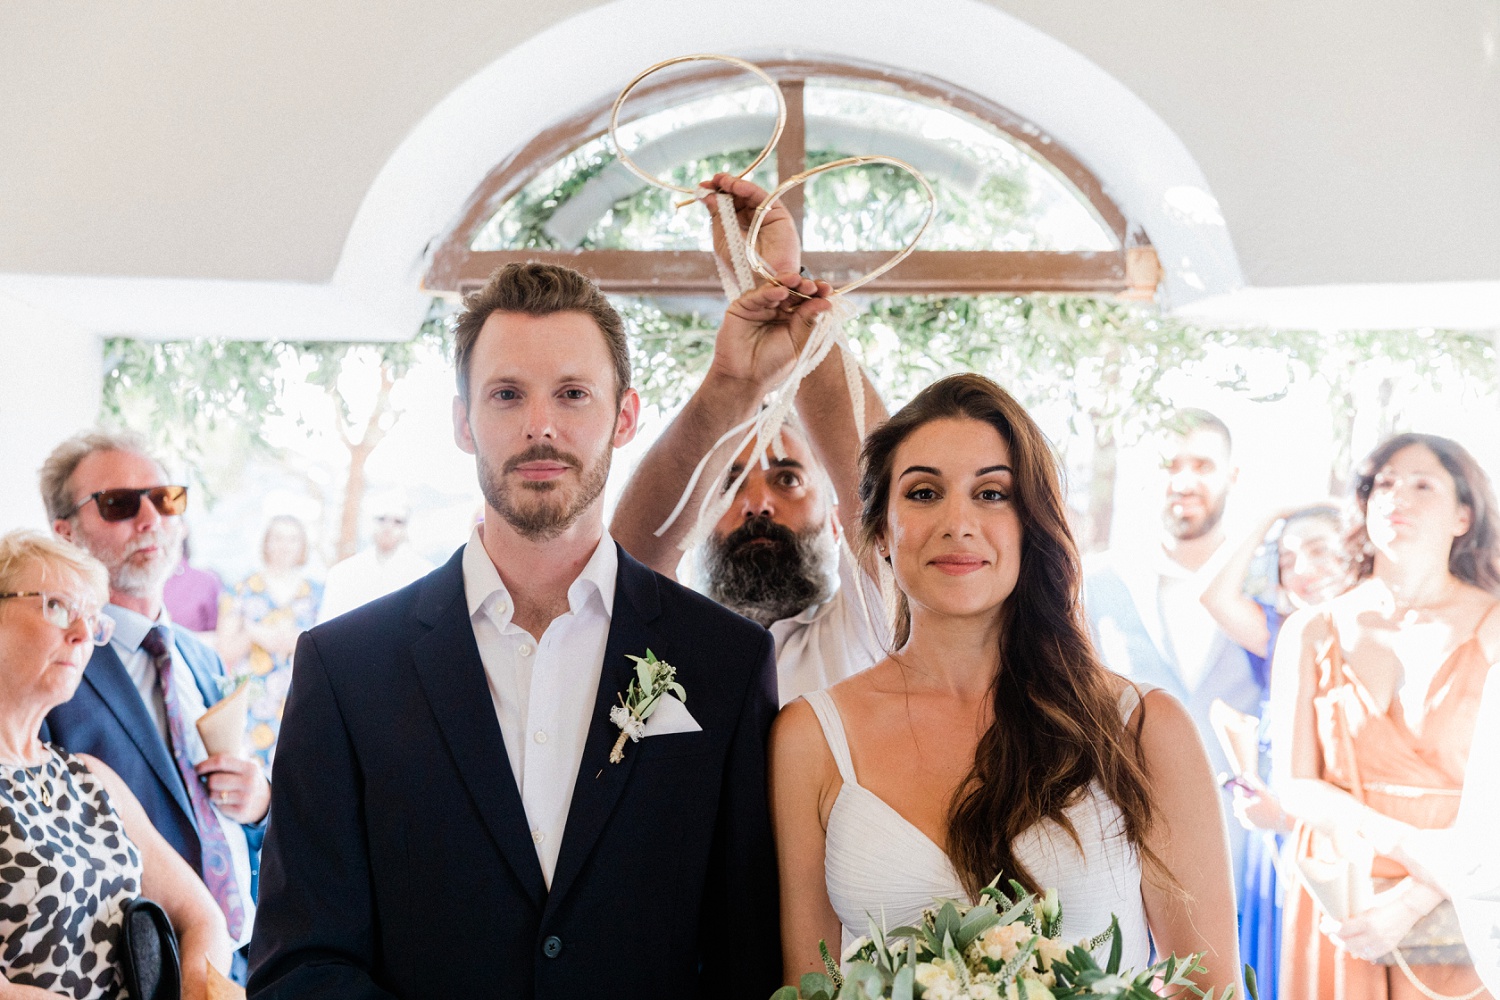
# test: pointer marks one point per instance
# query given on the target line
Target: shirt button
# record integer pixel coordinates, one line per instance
(525, 650)
(552, 946)
(501, 607)
(537, 836)
(540, 736)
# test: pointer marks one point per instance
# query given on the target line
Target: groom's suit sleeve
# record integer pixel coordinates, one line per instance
(740, 935)
(316, 930)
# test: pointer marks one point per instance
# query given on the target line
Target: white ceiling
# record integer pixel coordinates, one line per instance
(1348, 143)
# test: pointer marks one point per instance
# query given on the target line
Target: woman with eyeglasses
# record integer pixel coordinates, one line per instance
(75, 845)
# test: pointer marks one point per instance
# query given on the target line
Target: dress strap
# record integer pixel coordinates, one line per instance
(833, 732)
(1132, 696)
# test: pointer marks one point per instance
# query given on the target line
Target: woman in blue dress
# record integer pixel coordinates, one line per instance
(259, 623)
(1292, 561)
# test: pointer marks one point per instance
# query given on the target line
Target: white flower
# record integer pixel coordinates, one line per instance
(938, 980)
(854, 947)
(629, 724)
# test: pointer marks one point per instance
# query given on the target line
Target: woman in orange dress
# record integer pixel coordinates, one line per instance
(1375, 694)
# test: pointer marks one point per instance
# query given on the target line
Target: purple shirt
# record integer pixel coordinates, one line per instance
(192, 598)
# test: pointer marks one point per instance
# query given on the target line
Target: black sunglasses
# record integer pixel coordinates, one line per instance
(122, 505)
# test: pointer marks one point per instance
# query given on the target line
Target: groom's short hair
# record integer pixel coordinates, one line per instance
(539, 290)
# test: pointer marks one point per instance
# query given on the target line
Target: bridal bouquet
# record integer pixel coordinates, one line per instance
(1002, 948)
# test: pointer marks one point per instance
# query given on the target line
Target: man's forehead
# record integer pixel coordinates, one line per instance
(112, 469)
(1202, 442)
(793, 446)
(521, 346)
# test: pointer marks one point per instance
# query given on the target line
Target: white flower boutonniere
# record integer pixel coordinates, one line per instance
(654, 679)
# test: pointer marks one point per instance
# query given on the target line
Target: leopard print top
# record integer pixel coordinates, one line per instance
(66, 869)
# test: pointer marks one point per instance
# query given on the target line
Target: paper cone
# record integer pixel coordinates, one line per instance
(223, 725)
(220, 988)
(1239, 735)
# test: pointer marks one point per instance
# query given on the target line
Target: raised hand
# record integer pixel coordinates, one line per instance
(764, 329)
(779, 244)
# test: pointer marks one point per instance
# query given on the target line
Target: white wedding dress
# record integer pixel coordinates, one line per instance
(878, 865)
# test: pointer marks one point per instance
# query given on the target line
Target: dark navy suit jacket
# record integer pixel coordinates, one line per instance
(399, 862)
(107, 719)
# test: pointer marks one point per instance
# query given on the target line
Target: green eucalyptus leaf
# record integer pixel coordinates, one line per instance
(903, 987)
(813, 984)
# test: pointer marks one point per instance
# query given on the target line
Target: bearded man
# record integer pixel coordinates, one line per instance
(458, 809)
(1144, 608)
(777, 555)
(142, 694)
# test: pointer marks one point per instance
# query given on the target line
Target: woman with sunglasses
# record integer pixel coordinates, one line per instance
(75, 845)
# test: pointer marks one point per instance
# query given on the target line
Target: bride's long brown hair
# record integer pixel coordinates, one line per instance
(1058, 726)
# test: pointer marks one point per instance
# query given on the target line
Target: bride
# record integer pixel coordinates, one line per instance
(992, 740)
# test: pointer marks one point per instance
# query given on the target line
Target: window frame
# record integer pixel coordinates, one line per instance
(1132, 271)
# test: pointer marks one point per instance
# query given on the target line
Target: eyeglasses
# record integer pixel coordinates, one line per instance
(64, 611)
(399, 522)
(122, 505)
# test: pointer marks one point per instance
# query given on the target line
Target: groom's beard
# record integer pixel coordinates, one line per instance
(767, 572)
(540, 511)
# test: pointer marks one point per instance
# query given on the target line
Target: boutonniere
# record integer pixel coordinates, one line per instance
(654, 679)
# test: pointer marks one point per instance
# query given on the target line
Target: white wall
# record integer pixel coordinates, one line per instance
(51, 375)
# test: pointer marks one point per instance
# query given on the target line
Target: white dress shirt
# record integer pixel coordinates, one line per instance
(130, 631)
(544, 692)
(365, 576)
(833, 640)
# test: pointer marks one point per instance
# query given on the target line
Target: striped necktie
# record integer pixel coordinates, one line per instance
(218, 866)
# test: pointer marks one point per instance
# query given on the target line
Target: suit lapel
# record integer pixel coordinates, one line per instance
(600, 783)
(110, 681)
(452, 677)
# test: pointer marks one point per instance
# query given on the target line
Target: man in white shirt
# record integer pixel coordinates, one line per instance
(142, 695)
(460, 809)
(1144, 607)
(386, 564)
(780, 555)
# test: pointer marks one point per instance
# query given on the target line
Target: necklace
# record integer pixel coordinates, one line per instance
(39, 785)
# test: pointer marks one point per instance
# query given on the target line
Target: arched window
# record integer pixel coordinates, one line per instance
(1016, 212)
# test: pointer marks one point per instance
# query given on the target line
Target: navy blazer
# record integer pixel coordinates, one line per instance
(399, 862)
(107, 719)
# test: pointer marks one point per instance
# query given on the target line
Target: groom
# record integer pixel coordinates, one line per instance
(447, 821)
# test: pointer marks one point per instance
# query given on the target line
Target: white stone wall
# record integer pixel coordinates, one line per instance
(51, 377)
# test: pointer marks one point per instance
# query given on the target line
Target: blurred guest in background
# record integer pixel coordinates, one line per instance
(1144, 607)
(143, 693)
(1375, 698)
(77, 844)
(192, 595)
(260, 624)
(1291, 561)
(388, 563)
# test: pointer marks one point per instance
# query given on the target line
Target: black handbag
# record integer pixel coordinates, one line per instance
(149, 948)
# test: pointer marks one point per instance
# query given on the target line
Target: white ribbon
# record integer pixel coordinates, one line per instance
(762, 432)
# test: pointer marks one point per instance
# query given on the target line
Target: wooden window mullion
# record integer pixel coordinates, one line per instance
(791, 151)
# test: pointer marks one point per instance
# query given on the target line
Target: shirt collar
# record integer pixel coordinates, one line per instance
(131, 626)
(483, 588)
(1171, 569)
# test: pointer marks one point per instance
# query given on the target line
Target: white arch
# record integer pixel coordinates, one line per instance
(1143, 165)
